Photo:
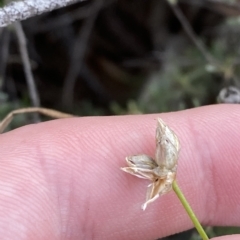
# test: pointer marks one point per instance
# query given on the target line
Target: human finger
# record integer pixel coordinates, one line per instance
(73, 167)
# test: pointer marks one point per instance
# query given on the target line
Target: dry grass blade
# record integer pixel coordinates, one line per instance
(45, 111)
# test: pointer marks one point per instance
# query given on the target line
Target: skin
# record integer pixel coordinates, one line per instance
(62, 180)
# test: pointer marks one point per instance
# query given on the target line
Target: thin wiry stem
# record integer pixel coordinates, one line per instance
(45, 111)
(189, 211)
(26, 63)
(17, 11)
(79, 50)
(34, 96)
(188, 29)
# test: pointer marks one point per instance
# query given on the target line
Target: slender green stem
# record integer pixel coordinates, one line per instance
(189, 210)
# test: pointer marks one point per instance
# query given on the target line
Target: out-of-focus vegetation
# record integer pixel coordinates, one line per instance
(217, 231)
(136, 58)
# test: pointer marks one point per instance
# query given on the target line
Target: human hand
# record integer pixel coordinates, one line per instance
(62, 179)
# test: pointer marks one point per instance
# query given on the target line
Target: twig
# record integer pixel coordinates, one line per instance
(45, 111)
(27, 66)
(79, 50)
(17, 11)
(189, 211)
(188, 29)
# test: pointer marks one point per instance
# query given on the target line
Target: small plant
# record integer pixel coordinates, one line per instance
(162, 170)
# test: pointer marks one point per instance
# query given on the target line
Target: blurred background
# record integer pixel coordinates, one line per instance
(111, 57)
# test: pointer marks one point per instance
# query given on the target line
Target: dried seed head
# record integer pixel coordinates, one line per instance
(161, 172)
(167, 147)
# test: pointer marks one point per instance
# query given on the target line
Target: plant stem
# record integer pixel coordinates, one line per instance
(189, 210)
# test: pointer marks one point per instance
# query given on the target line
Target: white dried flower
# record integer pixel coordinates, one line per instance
(162, 170)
